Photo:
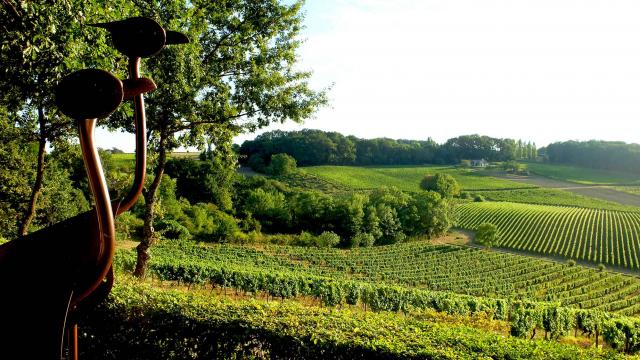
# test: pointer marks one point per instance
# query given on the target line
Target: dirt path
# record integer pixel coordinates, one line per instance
(603, 192)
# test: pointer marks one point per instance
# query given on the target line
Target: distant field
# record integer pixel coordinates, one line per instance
(635, 190)
(597, 236)
(583, 175)
(127, 160)
(413, 265)
(407, 177)
(542, 196)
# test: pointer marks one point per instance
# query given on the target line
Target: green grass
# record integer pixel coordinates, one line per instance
(407, 178)
(126, 161)
(542, 196)
(592, 235)
(583, 175)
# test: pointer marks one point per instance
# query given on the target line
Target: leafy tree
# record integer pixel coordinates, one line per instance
(487, 235)
(434, 214)
(281, 164)
(238, 73)
(41, 43)
(444, 184)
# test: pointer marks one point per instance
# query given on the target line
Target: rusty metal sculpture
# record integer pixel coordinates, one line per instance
(50, 276)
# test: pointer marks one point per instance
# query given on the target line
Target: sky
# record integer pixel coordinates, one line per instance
(539, 70)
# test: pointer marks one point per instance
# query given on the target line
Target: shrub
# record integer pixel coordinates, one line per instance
(478, 198)
(173, 230)
(466, 195)
(487, 235)
(128, 226)
(327, 239)
(571, 262)
(601, 267)
(363, 240)
(282, 164)
(256, 163)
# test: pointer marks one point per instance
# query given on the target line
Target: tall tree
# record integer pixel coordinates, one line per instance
(42, 42)
(237, 74)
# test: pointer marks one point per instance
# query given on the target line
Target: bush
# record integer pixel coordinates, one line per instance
(128, 226)
(466, 195)
(601, 267)
(256, 163)
(444, 184)
(487, 235)
(363, 240)
(571, 262)
(327, 239)
(173, 230)
(282, 164)
(478, 198)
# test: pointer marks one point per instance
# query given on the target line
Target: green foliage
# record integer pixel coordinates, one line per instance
(209, 180)
(524, 318)
(257, 163)
(444, 184)
(362, 239)
(260, 329)
(314, 147)
(487, 235)
(173, 230)
(327, 239)
(604, 155)
(281, 164)
(128, 226)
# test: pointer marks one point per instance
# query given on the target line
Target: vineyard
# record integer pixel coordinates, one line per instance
(543, 196)
(284, 271)
(583, 175)
(597, 236)
(407, 178)
(170, 324)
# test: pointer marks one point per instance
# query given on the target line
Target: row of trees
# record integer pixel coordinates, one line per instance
(237, 74)
(316, 147)
(608, 155)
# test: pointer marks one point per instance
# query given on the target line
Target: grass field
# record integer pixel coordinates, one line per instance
(597, 236)
(127, 160)
(582, 175)
(407, 177)
(635, 190)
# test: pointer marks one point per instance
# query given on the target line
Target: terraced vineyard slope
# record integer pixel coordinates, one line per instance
(598, 236)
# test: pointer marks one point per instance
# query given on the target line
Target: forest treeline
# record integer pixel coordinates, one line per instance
(315, 147)
(607, 155)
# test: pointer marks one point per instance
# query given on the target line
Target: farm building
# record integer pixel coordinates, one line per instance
(479, 163)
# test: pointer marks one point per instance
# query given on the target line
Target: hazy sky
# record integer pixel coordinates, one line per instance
(540, 70)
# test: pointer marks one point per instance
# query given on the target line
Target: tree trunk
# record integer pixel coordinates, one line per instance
(148, 233)
(36, 190)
